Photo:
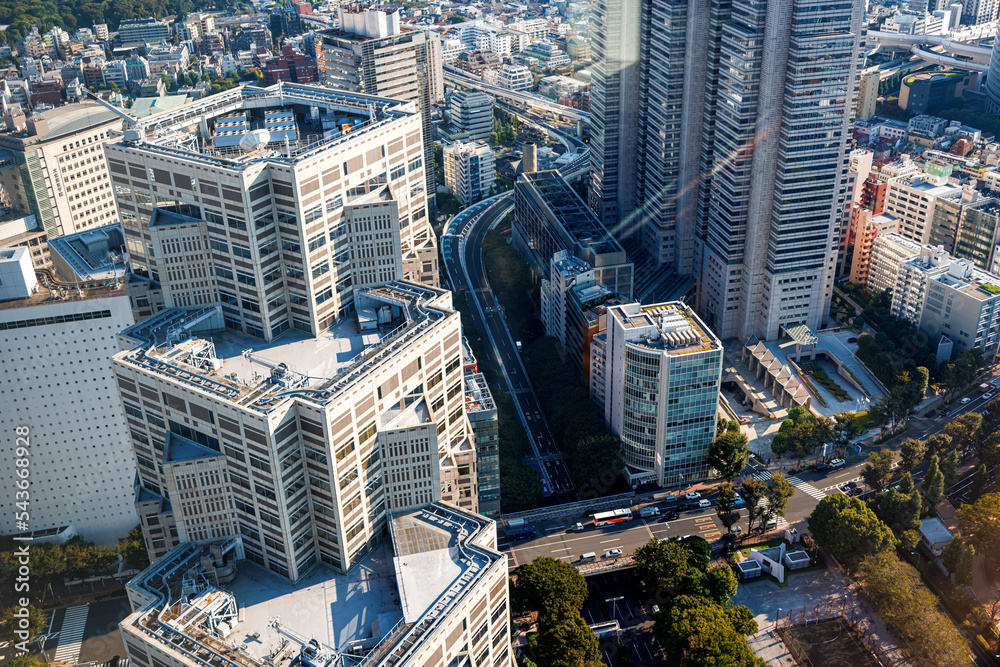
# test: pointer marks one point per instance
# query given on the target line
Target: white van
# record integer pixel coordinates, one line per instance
(649, 511)
(590, 555)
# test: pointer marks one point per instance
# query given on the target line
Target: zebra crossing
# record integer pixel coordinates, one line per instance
(762, 475)
(779, 520)
(807, 488)
(71, 635)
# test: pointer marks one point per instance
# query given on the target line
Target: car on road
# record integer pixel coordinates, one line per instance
(739, 502)
(670, 516)
(656, 609)
(966, 400)
(704, 503)
(670, 499)
(822, 467)
(945, 412)
(694, 495)
(612, 553)
(855, 492)
(577, 527)
(735, 530)
(989, 396)
(837, 463)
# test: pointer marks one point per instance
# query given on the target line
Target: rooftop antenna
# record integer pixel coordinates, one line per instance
(288, 147)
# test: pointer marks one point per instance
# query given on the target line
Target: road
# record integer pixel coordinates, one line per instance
(554, 538)
(467, 271)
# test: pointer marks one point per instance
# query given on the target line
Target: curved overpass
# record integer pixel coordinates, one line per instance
(980, 55)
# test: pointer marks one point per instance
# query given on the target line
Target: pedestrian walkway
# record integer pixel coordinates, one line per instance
(779, 520)
(762, 475)
(807, 488)
(71, 635)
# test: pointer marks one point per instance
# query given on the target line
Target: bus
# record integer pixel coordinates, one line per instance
(614, 516)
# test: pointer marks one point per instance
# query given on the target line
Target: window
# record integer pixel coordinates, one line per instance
(223, 272)
(415, 164)
(221, 246)
(240, 250)
(398, 172)
(324, 295)
(320, 268)
(317, 241)
(246, 278)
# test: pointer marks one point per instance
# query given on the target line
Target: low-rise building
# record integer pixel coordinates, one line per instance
(868, 227)
(23, 230)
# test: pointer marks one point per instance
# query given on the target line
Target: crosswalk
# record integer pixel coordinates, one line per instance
(779, 520)
(71, 635)
(120, 663)
(807, 488)
(762, 475)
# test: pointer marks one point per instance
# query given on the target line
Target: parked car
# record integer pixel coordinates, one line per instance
(612, 553)
(656, 609)
(649, 511)
(735, 530)
(822, 467)
(855, 492)
(694, 495)
(837, 463)
(684, 506)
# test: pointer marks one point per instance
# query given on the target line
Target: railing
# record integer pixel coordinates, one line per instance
(569, 509)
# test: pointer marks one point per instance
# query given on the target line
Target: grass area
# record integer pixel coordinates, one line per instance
(745, 551)
(819, 396)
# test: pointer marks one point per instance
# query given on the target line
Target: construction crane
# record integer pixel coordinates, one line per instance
(133, 131)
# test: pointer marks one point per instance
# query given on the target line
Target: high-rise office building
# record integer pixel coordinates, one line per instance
(471, 114)
(699, 134)
(300, 385)
(52, 165)
(372, 53)
(56, 339)
(993, 78)
(655, 371)
(283, 229)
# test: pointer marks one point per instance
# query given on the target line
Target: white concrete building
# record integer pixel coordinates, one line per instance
(56, 341)
(657, 369)
(469, 170)
(515, 77)
(471, 114)
(56, 168)
(913, 199)
(888, 253)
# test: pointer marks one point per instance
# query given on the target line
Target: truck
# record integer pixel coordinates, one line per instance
(519, 529)
(985, 387)
(649, 511)
(518, 343)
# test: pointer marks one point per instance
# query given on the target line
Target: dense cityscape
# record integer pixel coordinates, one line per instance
(554, 334)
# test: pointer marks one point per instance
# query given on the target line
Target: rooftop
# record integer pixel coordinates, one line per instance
(94, 254)
(193, 346)
(477, 394)
(206, 128)
(385, 605)
(670, 327)
(573, 214)
(934, 530)
(61, 121)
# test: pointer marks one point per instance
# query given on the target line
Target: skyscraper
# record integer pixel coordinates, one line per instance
(735, 170)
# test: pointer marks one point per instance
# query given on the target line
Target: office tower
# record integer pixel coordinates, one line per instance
(297, 388)
(550, 217)
(471, 114)
(780, 168)
(142, 31)
(280, 228)
(993, 78)
(655, 371)
(469, 170)
(56, 340)
(372, 53)
(53, 166)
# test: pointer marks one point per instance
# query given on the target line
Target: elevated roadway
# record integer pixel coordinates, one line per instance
(457, 77)
(946, 47)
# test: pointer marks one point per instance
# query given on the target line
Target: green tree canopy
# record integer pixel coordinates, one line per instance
(911, 452)
(725, 505)
(933, 486)
(569, 644)
(952, 554)
(877, 471)
(980, 522)
(695, 632)
(548, 581)
(777, 491)
(729, 453)
(10, 624)
(848, 529)
(720, 583)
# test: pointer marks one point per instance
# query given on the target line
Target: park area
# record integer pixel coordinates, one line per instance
(828, 644)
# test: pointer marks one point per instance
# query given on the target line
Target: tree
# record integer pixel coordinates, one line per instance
(694, 632)
(593, 457)
(909, 539)
(729, 453)
(877, 471)
(777, 492)
(949, 467)
(844, 430)
(11, 624)
(752, 491)
(133, 549)
(979, 481)
(988, 452)
(933, 486)
(964, 430)
(725, 506)
(980, 522)
(938, 444)
(548, 581)
(569, 644)
(952, 554)
(720, 583)
(900, 511)
(906, 606)
(662, 565)
(963, 573)
(911, 452)
(846, 528)
(26, 660)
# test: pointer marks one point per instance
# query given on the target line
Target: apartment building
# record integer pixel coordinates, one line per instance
(372, 53)
(867, 228)
(279, 227)
(912, 200)
(549, 216)
(56, 339)
(888, 252)
(434, 595)
(142, 31)
(979, 233)
(515, 77)
(52, 165)
(471, 114)
(868, 95)
(944, 296)
(469, 170)
(656, 372)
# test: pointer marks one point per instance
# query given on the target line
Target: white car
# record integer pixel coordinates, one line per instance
(837, 463)
(694, 495)
(612, 553)
(989, 396)
(704, 503)
(966, 400)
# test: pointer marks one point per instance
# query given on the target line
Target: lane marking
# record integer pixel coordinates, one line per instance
(715, 534)
(617, 539)
(703, 519)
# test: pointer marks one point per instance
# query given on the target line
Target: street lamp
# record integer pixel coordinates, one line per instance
(917, 554)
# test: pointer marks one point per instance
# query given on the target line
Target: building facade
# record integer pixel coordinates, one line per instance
(472, 114)
(469, 170)
(658, 370)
